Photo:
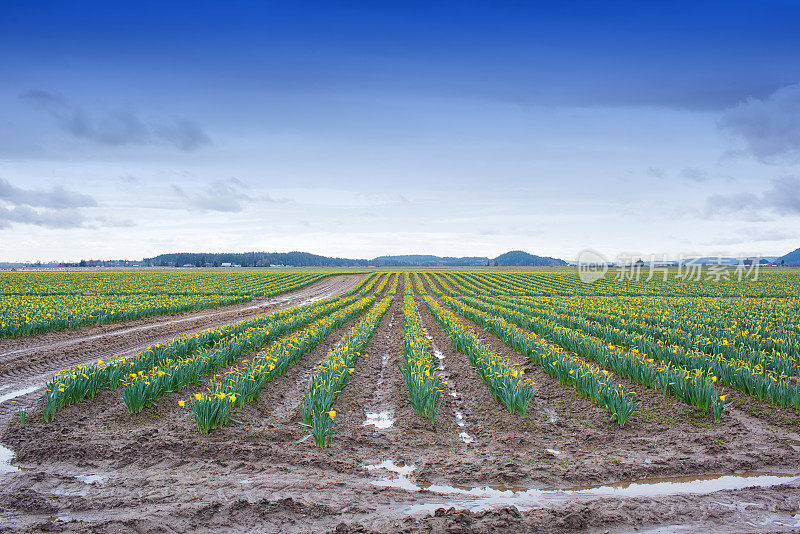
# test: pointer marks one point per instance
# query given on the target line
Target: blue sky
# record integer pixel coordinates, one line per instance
(360, 129)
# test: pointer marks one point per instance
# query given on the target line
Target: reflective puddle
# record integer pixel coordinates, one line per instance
(383, 418)
(380, 420)
(6, 456)
(697, 484)
(400, 481)
(484, 497)
(92, 478)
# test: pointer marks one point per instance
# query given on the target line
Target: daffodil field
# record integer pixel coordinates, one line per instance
(242, 385)
(143, 389)
(612, 342)
(181, 354)
(780, 283)
(36, 302)
(690, 346)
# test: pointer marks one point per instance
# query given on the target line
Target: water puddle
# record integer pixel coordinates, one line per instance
(401, 481)
(92, 478)
(6, 456)
(18, 393)
(440, 356)
(698, 484)
(70, 492)
(485, 497)
(381, 420)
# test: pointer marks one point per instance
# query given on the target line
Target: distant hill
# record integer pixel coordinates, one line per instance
(792, 258)
(518, 258)
(251, 259)
(419, 260)
(304, 259)
(710, 260)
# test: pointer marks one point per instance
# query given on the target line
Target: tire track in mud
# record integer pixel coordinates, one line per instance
(23, 378)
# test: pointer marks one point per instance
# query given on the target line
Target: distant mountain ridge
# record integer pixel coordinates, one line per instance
(792, 258)
(519, 258)
(426, 260)
(305, 259)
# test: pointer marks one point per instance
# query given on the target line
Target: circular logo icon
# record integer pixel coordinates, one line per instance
(592, 266)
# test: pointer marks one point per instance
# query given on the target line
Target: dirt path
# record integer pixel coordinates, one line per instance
(25, 362)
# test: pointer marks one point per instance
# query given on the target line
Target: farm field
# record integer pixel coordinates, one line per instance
(427, 400)
(36, 302)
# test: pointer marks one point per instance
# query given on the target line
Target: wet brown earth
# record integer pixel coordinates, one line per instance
(566, 466)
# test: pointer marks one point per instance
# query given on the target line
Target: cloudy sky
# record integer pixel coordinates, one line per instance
(463, 128)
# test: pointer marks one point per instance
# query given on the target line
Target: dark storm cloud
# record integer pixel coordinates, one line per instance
(116, 128)
(782, 198)
(769, 127)
(56, 198)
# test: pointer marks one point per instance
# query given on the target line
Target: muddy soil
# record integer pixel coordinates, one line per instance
(25, 362)
(564, 467)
